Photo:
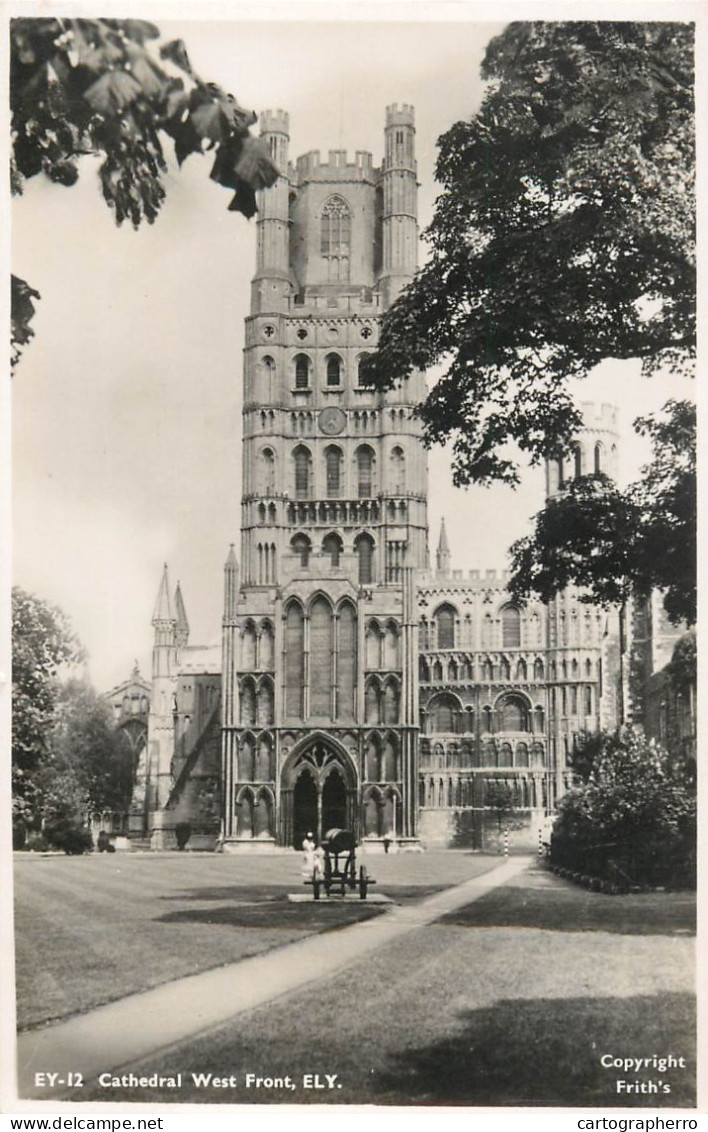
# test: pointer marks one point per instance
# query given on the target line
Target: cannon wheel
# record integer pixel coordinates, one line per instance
(363, 883)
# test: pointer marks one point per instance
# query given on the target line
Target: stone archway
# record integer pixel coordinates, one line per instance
(318, 791)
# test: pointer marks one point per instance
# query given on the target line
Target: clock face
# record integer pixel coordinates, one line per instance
(332, 420)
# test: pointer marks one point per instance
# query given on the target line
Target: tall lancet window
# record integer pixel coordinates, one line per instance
(303, 467)
(333, 468)
(336, 234)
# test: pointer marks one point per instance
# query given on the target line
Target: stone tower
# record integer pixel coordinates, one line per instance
(320, 652)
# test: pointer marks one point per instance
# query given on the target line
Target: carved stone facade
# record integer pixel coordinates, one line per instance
(357, 687)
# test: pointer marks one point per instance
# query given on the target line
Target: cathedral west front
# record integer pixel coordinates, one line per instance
(356, 686)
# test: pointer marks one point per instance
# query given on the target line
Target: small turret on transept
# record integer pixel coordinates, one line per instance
(181, 622)
(442, 555)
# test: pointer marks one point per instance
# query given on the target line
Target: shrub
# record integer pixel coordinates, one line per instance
(633, 821)
(183, 832)
(73, 839)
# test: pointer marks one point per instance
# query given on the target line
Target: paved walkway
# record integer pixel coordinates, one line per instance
(128, 1031)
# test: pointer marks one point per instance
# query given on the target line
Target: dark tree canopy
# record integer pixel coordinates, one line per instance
(81, 86)
(622, 543)
(89, 762)
(563, 235)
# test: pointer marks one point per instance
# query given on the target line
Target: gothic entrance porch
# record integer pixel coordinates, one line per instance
(318, 792)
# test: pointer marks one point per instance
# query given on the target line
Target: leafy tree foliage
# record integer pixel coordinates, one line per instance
(618, 543)
(83, 86)
(42, 642)
(89, 762)
(564, 235)
(633, 818)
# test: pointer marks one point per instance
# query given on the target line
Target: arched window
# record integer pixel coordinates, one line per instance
(267, 471)
(333, 470)
(538, 669)
(360, 365)
(390, 702)
(374, 638)
(443, 711)
(265, 704)
(521, 670)
(303, 472)
(445, 620)
(246, 759)
(321, 640)
(486, 718)
(335, 238)
(300, 545)
(577, 460)
(267, 642)
(302, 371)
(294, 658)
(365, 553)
(599, 454)
(248, 646)
(391, 658)
(347, 662)
(522, 754)
(372, 702)
(398, 469)
(266, 374)
(511, 627)
(332, 547)
(487, 670)
(365, 472)
(587, 700)
(513, 714)
(559, 467)
(334, 369)
(504, 670)
(505, 756)
(248, 704)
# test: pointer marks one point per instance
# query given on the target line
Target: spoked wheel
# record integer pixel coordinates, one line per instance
(363, 883)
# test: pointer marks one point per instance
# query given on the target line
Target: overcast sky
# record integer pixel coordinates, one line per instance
(126, 414)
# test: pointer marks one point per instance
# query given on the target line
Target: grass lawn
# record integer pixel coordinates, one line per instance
(513, 1003)
(97, 928)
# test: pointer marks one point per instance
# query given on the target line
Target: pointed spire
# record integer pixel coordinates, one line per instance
(163, 608)
(230, 584)
(182, 624)
(442, 555)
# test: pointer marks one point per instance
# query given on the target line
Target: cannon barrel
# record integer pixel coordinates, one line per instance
(338, 841)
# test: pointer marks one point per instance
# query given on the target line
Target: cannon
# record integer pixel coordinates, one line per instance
(338, 871)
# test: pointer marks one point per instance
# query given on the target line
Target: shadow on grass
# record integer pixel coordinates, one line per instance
(253, 894)
(314, 917)
(568, 908)
(547, 1052)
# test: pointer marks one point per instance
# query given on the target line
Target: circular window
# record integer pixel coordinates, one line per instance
(302, 333)
(268, 331)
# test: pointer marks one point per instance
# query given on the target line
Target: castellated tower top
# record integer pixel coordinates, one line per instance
(275, 122)
(599, 416)
(400, 116)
